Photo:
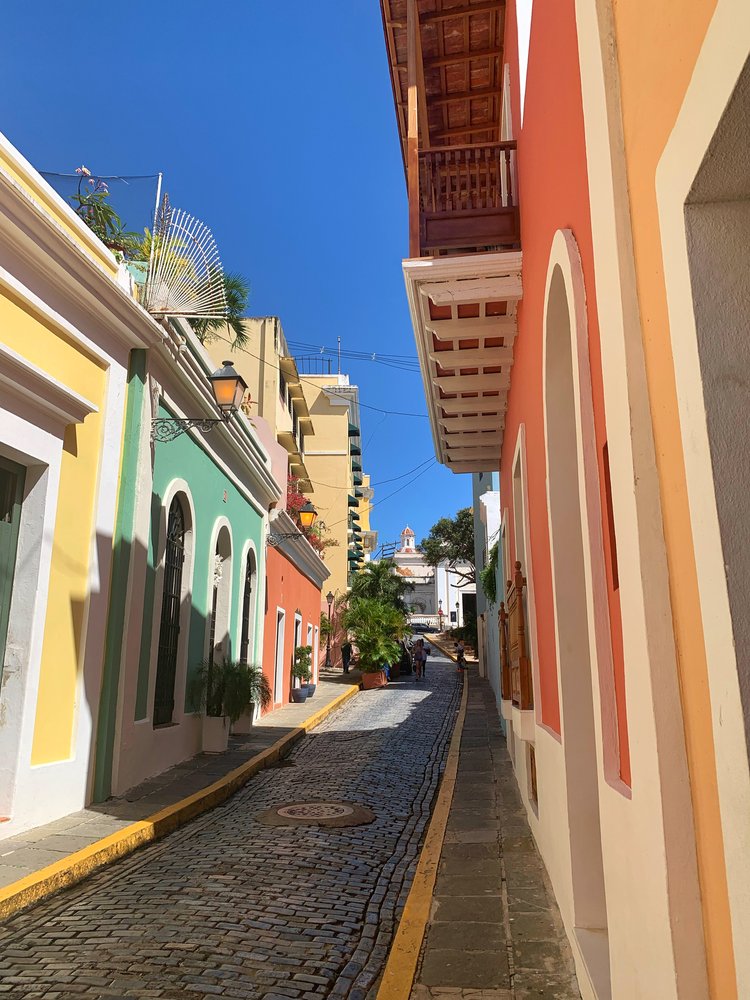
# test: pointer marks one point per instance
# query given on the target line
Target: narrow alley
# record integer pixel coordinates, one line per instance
(244, 903)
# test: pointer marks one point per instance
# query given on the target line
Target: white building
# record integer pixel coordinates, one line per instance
(436, 590)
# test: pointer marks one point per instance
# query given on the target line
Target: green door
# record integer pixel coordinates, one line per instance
(11, 494)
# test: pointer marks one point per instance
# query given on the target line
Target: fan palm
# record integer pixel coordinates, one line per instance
(380, 581)
(236, 292)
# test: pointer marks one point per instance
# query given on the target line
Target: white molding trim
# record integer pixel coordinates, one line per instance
(45, 393)
(299, 552)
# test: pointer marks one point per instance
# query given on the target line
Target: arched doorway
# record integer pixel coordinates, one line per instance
(171, 605)
(248, 595)
(575, 660)
(221, 598)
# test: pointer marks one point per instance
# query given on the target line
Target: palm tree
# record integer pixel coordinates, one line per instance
(376, 626)
(237, 292)
(381, 582)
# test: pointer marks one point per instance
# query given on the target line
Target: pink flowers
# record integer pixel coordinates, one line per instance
(84, 171)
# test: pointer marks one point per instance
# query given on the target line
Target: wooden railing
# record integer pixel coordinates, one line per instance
(467, 197)
(517, 685)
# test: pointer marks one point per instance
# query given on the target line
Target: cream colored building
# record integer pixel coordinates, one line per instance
(369, 537)
(333, 462)
(275, 389)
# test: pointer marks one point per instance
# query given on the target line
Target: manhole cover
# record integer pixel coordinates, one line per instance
(317, 813)
(315, 810)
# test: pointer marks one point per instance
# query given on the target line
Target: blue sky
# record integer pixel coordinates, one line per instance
(274, 124)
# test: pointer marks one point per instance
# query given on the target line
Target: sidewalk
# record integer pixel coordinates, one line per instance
(494, 931)
(39, 861)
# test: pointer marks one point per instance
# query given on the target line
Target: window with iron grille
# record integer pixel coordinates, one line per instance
(169, 628)
(246, 606)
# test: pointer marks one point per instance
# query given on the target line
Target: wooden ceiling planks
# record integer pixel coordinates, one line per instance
(461, 66)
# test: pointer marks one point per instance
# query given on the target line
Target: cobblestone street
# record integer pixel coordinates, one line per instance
(231, 907)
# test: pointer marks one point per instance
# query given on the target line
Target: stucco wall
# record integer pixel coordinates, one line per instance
(288, 589)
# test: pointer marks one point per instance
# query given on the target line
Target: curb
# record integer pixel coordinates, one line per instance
(401, 966)
(77, 866)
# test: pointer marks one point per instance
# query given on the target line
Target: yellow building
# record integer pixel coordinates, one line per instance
(333, 460)
(276, 395)
(68, 322)
(369, 537)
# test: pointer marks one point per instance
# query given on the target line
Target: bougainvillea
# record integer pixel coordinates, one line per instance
(316, 535)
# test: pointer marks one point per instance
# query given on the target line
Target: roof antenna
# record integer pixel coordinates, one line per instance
(339, 340)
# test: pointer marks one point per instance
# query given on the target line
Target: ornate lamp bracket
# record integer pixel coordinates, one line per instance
(276, 538)
(167, 428)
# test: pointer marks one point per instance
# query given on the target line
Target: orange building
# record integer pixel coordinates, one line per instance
(295, 575)
(579, 286)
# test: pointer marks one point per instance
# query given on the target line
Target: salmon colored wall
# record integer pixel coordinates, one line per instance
(660, 62)
(553, 193)
(287, 588)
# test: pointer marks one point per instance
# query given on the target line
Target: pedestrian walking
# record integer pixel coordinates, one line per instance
(346, 655)
(419, 659)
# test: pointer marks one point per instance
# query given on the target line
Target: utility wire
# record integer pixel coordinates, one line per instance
(366, 406)
(377, 503)
(382, 482)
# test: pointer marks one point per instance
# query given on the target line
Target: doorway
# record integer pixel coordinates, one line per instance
(12, 479)
(278, 680)
(575, 665)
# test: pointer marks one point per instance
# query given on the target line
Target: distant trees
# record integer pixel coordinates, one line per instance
(451, 541)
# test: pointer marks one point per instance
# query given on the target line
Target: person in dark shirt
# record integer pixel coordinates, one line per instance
(346, 655)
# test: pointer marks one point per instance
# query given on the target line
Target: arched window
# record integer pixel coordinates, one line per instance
(247, 600)
(169, 628)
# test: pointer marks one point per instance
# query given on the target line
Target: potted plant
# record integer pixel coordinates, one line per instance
(377, 627)
(301, 673)
(224, 692)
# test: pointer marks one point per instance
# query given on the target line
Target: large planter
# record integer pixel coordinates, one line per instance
(299, 695)
(374, 679)
(215, 733)
(244, 724)
(311, 690)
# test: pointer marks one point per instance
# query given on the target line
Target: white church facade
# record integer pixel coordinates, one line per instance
(438, 592)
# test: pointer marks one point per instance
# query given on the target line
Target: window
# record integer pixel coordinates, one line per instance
(247, 597)
(11, 494)
(169, 628)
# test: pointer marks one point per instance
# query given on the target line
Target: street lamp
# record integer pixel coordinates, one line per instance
(458, 605)
(308, 515)
(440, 614)
(229, 390)
(329, 598)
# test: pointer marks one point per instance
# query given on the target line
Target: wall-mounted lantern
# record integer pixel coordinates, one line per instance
(229, 390)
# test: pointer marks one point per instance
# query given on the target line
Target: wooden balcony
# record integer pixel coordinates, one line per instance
(467, 200)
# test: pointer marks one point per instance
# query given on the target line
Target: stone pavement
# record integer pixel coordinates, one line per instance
(495, 932)
(32, 850)
(229, 906)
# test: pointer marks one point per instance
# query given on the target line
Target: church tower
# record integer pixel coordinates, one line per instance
(407, 540)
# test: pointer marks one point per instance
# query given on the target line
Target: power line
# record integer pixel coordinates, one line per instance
(365, 406)
(383, 482)
(377, 503)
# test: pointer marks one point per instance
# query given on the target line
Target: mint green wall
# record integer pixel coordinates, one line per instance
(184, 459)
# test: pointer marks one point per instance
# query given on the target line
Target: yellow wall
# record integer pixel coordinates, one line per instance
(329, 466)
(658, 45)
(53, 352)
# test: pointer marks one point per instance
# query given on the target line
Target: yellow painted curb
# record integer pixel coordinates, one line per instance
(75, 867)
(398, 976)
